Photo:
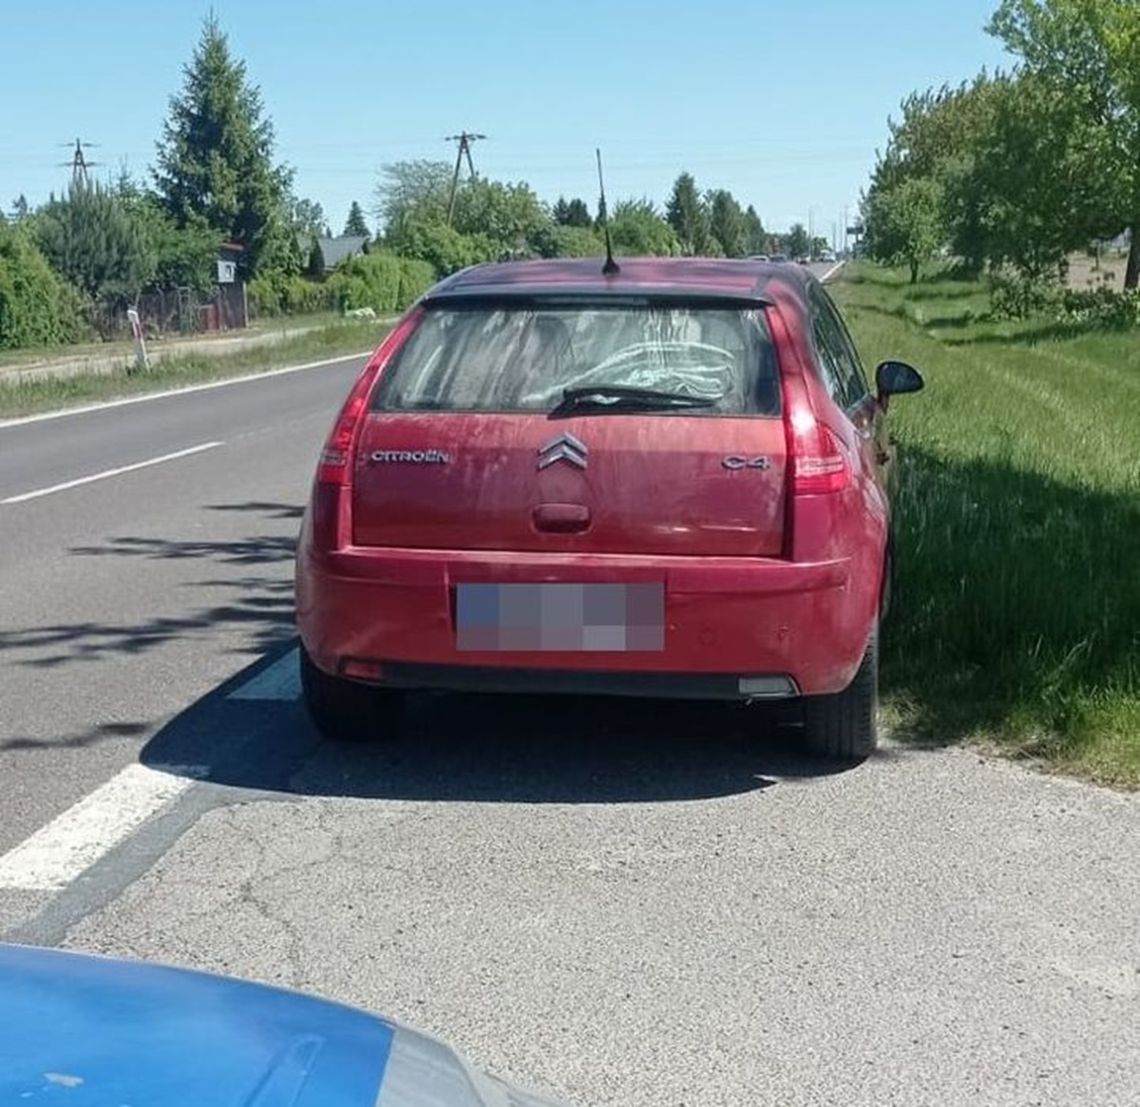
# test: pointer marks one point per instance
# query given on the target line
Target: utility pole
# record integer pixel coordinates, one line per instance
(462, 150)
(79, 163)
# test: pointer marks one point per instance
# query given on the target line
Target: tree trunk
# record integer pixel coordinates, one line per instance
(1132, 273)
(914, 271)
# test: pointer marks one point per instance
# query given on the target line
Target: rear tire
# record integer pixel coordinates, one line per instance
(844, 726)
(347, 710)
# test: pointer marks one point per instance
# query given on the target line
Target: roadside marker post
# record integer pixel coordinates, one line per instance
(141, 359)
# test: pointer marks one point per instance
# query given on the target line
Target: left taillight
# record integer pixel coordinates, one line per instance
(334, 469)
(336, 457)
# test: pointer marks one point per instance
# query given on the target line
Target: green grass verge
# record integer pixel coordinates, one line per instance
(330, 340)
(1017, 614)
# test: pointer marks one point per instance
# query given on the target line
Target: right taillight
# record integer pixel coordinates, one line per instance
(815, 458)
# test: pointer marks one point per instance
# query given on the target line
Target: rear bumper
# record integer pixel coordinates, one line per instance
(725, 619)
(586, 682)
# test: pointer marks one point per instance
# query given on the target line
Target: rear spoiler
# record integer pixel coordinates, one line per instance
(590, 294)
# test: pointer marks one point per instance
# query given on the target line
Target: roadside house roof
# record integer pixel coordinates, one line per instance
(335, 250)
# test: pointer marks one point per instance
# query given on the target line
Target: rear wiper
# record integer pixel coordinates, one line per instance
(618, 397)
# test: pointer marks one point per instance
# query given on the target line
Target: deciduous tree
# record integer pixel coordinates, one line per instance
(1087, 53)
(638, 230)
(408, 190)
(906, 224)
(797, 242)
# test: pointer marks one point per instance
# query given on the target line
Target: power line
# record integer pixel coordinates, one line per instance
(79, 163)
(465, 139)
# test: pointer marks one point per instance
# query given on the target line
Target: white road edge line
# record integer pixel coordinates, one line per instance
(832, 271)
(56, 854)
(190, 388)
(35, 495)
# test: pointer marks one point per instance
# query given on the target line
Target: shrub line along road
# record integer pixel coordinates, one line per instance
(626, 902)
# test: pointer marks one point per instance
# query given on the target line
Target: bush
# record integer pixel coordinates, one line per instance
(442, 247)
(303, 296)
(37, 308)
(279, 294)
(372, 280)
(96, 241)
(1017, 296)
(379, 280)
(416, 277)
(1101, 307)
(265, 297)
(559, 241)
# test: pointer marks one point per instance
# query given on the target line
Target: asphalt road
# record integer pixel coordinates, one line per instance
(125, 599)
(626, 903)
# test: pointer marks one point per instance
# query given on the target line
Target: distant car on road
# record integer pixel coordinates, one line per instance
(665, 481)
(93, 1031)
(758, 257)
(779, 258)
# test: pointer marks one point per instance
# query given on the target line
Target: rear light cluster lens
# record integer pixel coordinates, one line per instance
(821, 467)
(818, 464)
(336, 458)
(337, 454)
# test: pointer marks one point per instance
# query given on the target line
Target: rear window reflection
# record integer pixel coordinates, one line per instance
(521, 358)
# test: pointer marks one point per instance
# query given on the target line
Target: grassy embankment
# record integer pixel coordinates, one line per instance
(331, 339)
(1017, 614)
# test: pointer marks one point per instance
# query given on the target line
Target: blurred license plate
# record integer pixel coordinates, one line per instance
(589, 617)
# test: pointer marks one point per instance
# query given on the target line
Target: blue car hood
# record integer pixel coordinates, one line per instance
(91, 1032)
(84, 1031)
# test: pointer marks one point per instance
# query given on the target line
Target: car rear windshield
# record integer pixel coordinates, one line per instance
(521, 357)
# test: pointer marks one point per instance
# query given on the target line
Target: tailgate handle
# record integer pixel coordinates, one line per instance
(561, 518)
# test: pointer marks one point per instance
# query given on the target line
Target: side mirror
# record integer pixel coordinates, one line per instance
(892, 378)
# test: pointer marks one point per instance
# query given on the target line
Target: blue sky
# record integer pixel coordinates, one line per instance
(783, 103)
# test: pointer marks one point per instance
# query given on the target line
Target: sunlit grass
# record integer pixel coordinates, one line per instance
(1017, 615)
(29, 397)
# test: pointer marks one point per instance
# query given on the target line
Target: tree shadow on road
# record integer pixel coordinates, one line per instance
(263, 507)
(104, 732)
(263, 606)
(252, 610)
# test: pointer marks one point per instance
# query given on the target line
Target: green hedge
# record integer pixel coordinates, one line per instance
(379, 280)
(416, 277)
(37, 308)
(368, 281)
(281, 295)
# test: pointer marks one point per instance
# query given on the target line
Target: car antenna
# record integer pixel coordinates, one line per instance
(611, 267)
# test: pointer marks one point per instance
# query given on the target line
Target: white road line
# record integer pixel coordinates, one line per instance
(832, 271)
(59, 852)
(278, 681)
(23, 496)
(190, 388)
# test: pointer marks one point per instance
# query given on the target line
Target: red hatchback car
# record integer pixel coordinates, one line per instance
(666, 481)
